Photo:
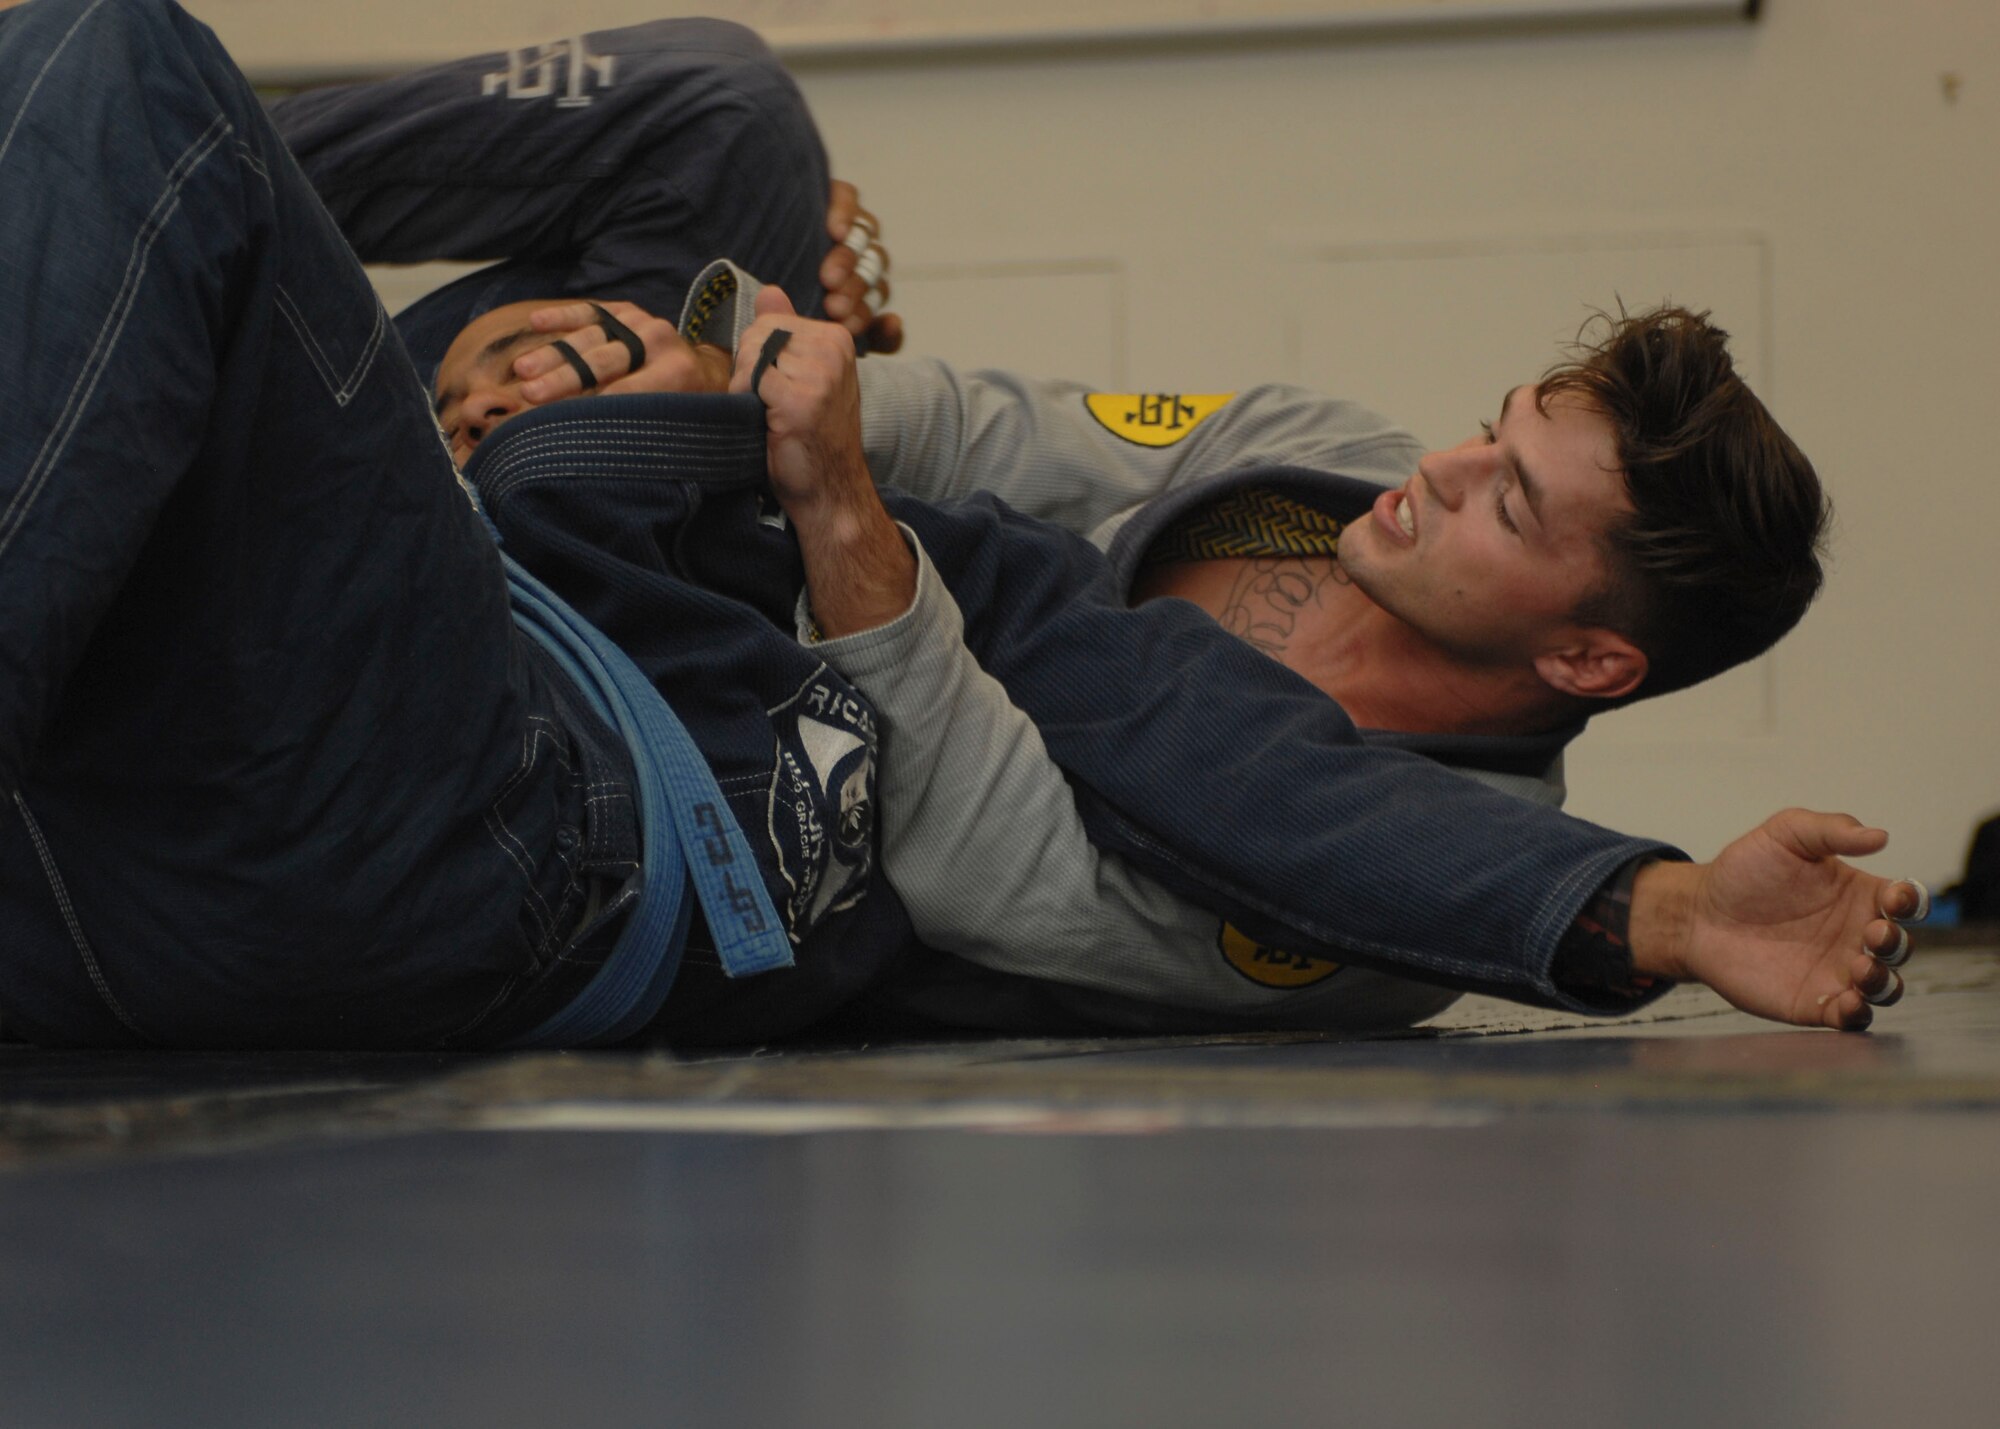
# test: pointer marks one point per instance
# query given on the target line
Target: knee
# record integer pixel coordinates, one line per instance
(750, 91)
(150, 21)
(105, 39)
(98, 61)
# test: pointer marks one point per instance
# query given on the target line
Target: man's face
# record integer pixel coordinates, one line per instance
(1493, 545)
(476, 386)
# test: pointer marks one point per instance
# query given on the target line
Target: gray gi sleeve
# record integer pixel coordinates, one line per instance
(1039, 445)
(983, 843)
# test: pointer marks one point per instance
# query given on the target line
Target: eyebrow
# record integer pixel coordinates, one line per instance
(492, 350)
(1530, 487)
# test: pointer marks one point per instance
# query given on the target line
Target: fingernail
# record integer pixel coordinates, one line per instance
(1896, 956)
(1891, 990)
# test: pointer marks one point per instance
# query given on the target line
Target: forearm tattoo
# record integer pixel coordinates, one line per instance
(1271, 593)
(1595, 954)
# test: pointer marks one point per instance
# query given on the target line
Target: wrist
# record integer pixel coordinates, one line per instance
(1662, 926)
(860, 573)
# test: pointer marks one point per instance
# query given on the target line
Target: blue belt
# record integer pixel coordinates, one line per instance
(685, 829)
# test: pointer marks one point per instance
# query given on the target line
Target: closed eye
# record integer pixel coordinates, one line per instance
(1499, 491)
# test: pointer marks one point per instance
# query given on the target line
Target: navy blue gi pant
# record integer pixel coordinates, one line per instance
(279, 769)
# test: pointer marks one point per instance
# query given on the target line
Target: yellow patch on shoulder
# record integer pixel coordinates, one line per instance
(1268, 966)
(1154, 419)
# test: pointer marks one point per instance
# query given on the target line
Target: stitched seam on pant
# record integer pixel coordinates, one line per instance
(289, 310)
(343, 390)
(16, 514)
(83, 948)
(504, 836)
(366, 362)
(465, 1028)
(42, 74)
(249, 156)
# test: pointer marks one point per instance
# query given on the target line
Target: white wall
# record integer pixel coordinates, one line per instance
(1415, 220)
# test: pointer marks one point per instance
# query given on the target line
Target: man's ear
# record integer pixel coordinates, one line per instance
(1593, 664)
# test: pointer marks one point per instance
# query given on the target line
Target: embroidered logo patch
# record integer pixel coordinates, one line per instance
(1268, 966)
(822, 809)
(1153, 419)
(541, 70)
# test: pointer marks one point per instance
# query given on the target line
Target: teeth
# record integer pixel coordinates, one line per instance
(1404, 518)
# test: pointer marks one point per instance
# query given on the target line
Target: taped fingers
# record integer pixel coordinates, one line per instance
(616, 331)
(1920, 910)
(862, 230)
(1897, 953)
(871, 265)
(1889, 994)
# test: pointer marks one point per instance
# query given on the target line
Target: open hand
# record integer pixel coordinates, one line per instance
(1781, 926)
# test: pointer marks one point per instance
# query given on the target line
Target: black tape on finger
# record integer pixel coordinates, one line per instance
(616, 331)
(575, 359)
(767, 357)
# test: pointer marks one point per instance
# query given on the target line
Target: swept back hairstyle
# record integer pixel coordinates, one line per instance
(1721, 555)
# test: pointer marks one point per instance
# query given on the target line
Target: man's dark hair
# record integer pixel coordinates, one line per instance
(1721, 555)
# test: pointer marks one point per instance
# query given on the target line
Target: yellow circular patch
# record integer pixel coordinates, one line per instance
(1268, 966)
(1153, 419)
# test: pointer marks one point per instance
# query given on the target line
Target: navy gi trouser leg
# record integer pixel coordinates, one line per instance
(277, 768)
(613, 164)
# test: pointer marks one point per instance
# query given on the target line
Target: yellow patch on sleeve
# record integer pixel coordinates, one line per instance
(1153, 419)
(1268, 966)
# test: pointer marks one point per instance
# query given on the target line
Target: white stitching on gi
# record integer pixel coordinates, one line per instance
(40, 75)
(503, 836)
(16, 514)
(83, 947)
(645, 444)
(249, 156)
(343, 391)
